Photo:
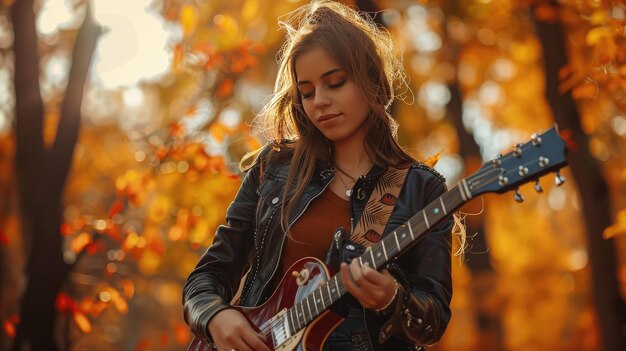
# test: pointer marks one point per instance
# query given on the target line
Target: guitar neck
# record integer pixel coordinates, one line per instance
(391, 245)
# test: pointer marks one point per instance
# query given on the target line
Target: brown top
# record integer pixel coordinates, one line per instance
(312, 233)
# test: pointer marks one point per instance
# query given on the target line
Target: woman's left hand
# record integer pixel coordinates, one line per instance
(373, 289)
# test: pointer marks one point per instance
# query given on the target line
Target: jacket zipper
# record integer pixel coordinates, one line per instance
(284, 238)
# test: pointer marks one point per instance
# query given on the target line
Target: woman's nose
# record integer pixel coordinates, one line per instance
(321, 98)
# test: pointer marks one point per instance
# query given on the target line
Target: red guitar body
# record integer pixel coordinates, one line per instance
(291, 290)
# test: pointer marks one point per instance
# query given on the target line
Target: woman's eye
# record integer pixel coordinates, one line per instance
(337, 85)
(306, 95)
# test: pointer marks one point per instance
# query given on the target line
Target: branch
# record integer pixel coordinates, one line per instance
(28, 103)
(59, 157)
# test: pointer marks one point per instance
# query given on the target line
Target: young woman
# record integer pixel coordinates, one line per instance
(333, 138)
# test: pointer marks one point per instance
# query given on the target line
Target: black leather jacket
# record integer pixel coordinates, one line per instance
(252, 239)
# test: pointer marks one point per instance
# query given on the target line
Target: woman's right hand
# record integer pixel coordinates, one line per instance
(230, 330)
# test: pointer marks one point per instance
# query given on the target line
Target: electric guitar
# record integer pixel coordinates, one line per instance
(296, 316)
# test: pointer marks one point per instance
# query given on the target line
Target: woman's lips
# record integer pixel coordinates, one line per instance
(323, 118)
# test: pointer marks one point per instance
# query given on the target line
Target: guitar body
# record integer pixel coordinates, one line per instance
(291, 290)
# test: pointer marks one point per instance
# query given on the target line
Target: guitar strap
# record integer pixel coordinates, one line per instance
(375, 216)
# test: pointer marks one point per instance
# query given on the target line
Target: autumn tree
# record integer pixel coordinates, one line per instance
(42, 172)
(594, 190)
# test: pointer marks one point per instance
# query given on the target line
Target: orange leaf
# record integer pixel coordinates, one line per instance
(162, 153)
(121, 305)
(547, 13)
(179, 56)
(128, 288)
(82, 322)
(586, 90)
(9, 329)
(225, 88)
(78, 243)
(66, 229)
(218, 132)
(566, 134)
(432, 160)
(116, 208)
(144, 344)
(181, 333)
(191, 110)
(176, 130)
(64, 303)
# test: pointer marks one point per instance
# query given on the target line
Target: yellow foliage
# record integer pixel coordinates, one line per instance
(82, 322)
(79, 242)
(587, 90)
(188, 18)
(250, 10)
(617, 228)
(149, 263)
(595, 35)
(160, 208)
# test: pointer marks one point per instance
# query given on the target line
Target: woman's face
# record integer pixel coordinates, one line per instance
(331, 100)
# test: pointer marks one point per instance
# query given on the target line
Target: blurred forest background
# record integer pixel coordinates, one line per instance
(122, 123)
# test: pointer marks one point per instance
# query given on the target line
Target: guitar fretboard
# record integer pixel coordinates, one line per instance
(391, 245)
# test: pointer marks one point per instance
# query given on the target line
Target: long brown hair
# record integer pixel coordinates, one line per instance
(366, 53)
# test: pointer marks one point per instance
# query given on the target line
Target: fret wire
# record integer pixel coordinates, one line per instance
(303, 314)
(330, 297)
(337, 287)
(404, 238)
(411, 231)
(467, 189)
(426, 219)
(443, 206)
(373, 260)
(395, 235)
(322, 298)
(308, 306)
(385, 250)
(317, 312)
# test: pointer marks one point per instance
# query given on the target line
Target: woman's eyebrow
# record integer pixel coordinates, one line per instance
(302, 82)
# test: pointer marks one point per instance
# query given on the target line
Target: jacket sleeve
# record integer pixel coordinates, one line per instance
(420, 312)
(215, 279)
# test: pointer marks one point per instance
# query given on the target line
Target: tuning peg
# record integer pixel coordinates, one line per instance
(517, 196)
(559, 179)
(517, 150)
(496, 162)
(538, 187)
(536, 139)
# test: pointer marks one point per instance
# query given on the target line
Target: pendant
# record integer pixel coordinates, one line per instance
(349, 192)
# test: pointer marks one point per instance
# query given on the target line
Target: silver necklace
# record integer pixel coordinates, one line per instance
(348, 188)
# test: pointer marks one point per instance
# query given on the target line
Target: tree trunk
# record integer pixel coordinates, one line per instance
(42, 174)
(595, 200)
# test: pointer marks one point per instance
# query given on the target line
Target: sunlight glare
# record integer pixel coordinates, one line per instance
(133, 46)
(5, 126)
(55, 15)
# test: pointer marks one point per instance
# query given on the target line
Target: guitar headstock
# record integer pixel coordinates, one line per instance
(544, 153)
